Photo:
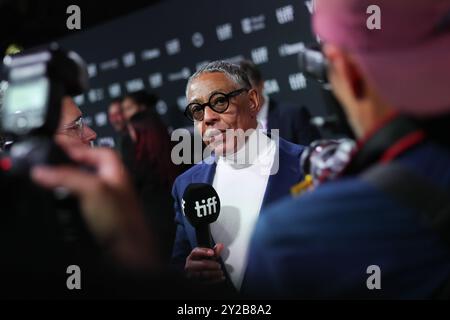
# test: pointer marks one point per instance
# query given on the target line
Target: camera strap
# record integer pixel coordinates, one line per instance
(396, 135)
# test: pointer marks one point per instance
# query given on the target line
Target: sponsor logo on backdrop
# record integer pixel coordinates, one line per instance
(150, 54)
(181, 103)
(129, 59)
(101, 119)
(297, 81)
(310, 4)
(260, 55)
(271, 86)
(109, 65)
(79, 100)
(115, 90)
(253, 24)
(180, 75)
(263, 47)
(224, 32)
(106, 142)
(173, 47)
(88, 121)
(285, 14)
(201, 64)
(161, 107)
(198, 40)
(155, 80)
(235, 59)
(95, 95)
(92, 70)
(134, 85)
(289, 49)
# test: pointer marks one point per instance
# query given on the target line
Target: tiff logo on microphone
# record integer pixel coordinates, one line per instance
(206, 208)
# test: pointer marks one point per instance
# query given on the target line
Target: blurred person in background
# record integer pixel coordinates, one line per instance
(292, 120)
(116, 117)
(133, 103)
(153, 174)
(382, 229)
(117, 121)
(138, 101)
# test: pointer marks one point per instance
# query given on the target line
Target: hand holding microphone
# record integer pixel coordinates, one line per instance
(201, 206)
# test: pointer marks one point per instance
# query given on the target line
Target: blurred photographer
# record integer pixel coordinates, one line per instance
(87, 213)
(72, 127)
(382, 229)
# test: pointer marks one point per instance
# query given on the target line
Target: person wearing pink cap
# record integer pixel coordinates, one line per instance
(383, 229)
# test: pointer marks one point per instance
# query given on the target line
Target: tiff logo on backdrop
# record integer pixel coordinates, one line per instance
(173, 47)
(285, 14)
(260, 55)
(224, 32)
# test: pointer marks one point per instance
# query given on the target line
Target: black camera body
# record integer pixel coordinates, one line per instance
(38, 81)
(313, 63)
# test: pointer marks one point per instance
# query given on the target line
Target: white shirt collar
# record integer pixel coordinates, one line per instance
(256, 146)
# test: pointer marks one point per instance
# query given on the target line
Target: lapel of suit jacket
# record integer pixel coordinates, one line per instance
(206, 175)
(272, 121)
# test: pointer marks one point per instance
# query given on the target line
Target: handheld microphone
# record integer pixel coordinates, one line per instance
(201, 206)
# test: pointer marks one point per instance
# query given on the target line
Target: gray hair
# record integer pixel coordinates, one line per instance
(232, 71)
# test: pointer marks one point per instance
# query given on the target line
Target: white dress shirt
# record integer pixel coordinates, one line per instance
(241, 186)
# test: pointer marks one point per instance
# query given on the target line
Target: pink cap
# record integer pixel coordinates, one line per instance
(407, 60)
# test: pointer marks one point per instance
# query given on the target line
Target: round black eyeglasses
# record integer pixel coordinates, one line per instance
(218, 102)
